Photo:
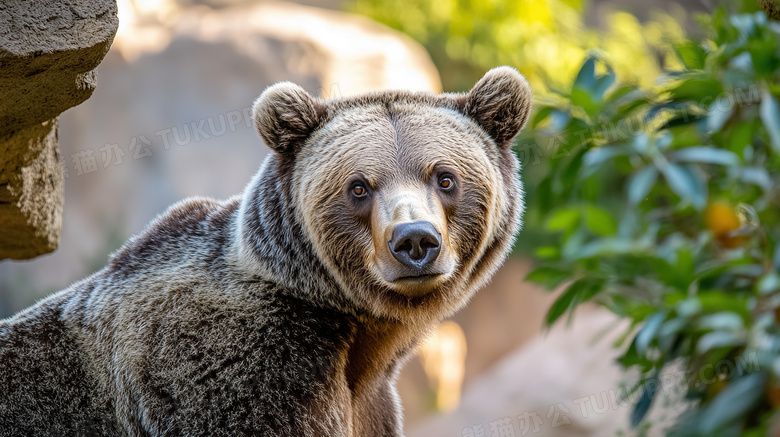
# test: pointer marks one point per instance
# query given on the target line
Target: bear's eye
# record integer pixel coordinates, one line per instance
(446, 182)
(359, 190)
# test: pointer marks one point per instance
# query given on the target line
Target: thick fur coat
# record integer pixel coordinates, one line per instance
(288, 310)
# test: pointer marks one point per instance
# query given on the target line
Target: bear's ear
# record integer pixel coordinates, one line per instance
(500, 102)
(285, 115)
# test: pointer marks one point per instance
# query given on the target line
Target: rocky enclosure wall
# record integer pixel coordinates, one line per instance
(49, 52)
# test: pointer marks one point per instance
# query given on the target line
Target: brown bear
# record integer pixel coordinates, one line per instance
(288, 310)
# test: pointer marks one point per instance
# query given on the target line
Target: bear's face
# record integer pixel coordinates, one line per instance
(410, 200)
(400, 197)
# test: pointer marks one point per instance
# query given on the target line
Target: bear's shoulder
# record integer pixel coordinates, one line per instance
(192, 227)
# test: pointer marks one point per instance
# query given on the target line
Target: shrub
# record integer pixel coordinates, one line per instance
(663, 205)
(546, 40)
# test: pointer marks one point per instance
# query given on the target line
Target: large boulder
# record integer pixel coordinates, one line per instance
(49, 51)
(564, 383)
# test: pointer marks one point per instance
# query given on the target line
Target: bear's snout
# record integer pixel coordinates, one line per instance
(416, 244)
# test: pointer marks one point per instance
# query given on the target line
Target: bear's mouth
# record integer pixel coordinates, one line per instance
(419, 278)
(407, 277)
(417, 284)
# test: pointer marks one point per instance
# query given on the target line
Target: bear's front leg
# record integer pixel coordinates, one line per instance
(270, 366)
(46, 388)
(378, 413)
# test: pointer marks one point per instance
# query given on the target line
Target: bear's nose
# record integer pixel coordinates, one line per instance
(415, 244)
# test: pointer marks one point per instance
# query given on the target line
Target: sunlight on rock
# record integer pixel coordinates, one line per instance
(144, 26)
(351, 54)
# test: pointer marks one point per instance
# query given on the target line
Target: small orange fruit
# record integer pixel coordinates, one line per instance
(773, 394)
(722, 219)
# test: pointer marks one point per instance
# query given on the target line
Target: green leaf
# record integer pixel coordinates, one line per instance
(584, 100)
(684, 271)
(647, 333)
(757, 176)
(548, 252)
(720, 111)
(750, 270)
(776, 257)
(712, 301)
(722, 321)
(573, 245)
(678, 121)
(744, 23)
(570, 173)
(649, 390)
(624, 94)
(763, 54)
(606, 247)
(581, 290)
(664, 140)
(601, 154)
(688, 307)
(695, 89)
(600, 221)
(686, 184)
(589, 90)
(743, 62)
(641, 143)
(735, 401)
(641, 183)
(669, 333)
(603, 83)
(560, 306)
(706, 155)
(740, 137)
(586, 77)
(768, 283)
(541, 115)
(770, 116)
(559, 120)
(692, 54)
(717, 339)
(548, 277)
(589, 288)
(631, 357)
(563, 219)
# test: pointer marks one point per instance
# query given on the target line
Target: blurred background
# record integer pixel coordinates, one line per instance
(621, 87)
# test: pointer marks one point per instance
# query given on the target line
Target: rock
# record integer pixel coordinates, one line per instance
(348, 53)
(30, 191)
(564, 383)
(49, 51)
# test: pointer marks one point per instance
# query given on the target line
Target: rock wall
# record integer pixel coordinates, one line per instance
(49, 52)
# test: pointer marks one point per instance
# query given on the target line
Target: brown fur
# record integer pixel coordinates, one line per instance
(277, 312)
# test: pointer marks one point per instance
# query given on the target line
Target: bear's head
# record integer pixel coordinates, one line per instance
(410, 200)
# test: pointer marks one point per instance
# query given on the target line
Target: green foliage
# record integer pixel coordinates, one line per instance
(546, 40)
(663, 204)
